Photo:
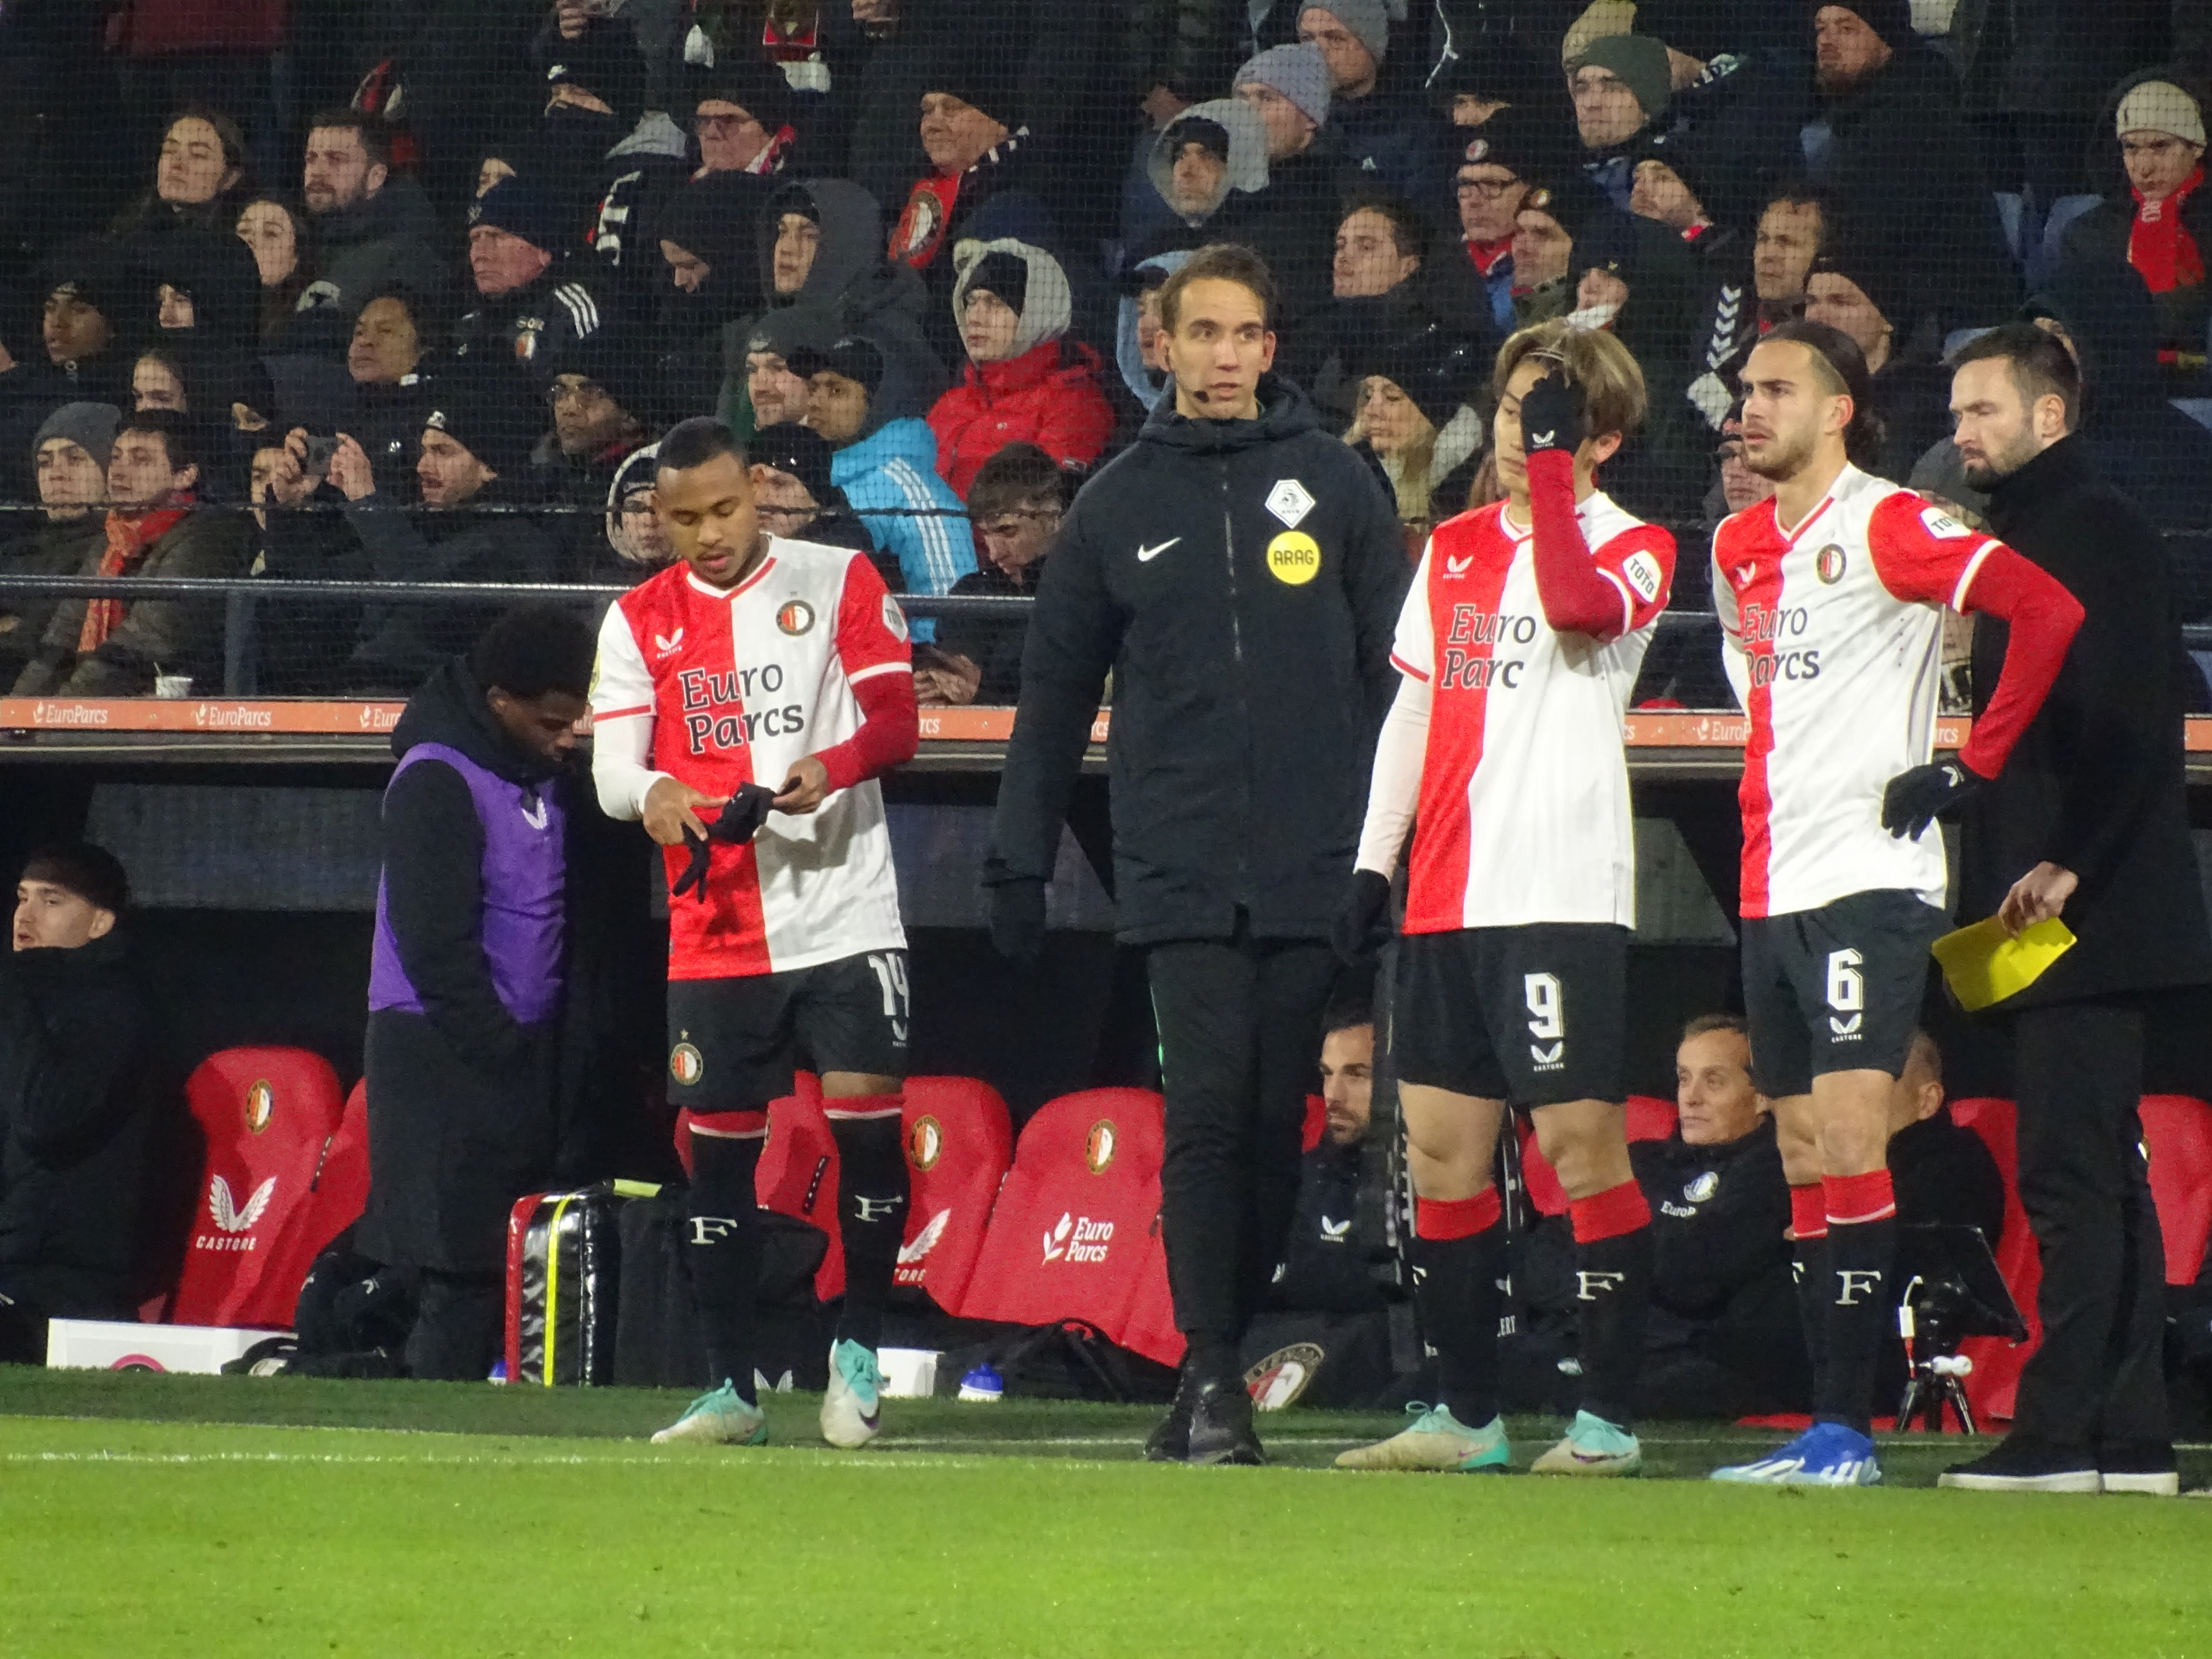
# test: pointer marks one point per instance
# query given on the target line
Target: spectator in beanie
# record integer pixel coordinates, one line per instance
(2156, 216)
(155, 527)
(473, 471)
(98, 310)
(1890, 147)
(528, 311)
(1621, 86)
(372, 227)
(1024, 383)
(1499, 73)
(1391, 136)
(208, 289)
(885, 462)
(771, 391)
(69, 457)
(1855, 287)
(595, 93)
(1418, 414)
(795, 500)
(1016, 505)
(981, 182)
(602, 406)
(80, 1099)
(743, 114)
(1489, 188)
(273, 234)
(1289, 223)
(196, 178)
(385, 360)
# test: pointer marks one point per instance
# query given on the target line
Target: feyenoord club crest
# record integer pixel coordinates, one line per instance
(526, 338)
(925, 1143)
(260, 1105)
(1828, 564)
(1098, 1149)
(795, 617)
(685, 1066)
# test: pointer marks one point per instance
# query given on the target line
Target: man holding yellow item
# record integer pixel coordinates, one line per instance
(2088, 823)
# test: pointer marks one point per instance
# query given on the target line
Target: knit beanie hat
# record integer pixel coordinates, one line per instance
(1890, 19)
(522, 208)
(1300, 73)
(2160, 107)
(491, 410)
(976, 68)
(1875, 269)
(1368, 20)
(798, 450)
(1440, 372)
(604, 61)
(1000, 273)
(741, 78)
(90, 427)
(1641, 64)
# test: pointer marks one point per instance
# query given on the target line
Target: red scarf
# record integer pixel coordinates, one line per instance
(2159, 248)
(1487, 255)
(128, 539)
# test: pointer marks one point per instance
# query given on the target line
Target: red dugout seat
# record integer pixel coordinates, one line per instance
(1994, 1383)
(959, 1144)
(2177, 1134)
(1650, 1118)
(268, 1116)
(1315, 1125)
(1075, 1234)
(339, 1193)
(798, 1172)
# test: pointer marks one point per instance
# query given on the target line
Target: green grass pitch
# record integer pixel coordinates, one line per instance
(214, 1517)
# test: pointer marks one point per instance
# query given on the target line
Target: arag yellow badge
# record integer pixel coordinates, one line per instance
(1294, 557)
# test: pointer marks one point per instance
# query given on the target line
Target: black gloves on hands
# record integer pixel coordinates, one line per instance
(1362, 926)
(738, 823)
(1914, 799)
(1552, 415)
(1018, 918)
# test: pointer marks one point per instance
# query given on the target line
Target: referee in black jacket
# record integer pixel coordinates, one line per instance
(1239, 571)
(2088, 823)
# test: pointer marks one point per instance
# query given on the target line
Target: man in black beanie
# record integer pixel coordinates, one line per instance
(795, 498)
(1858, 285)
(530, 306)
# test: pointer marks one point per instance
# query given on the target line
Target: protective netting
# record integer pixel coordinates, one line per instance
(410, 289)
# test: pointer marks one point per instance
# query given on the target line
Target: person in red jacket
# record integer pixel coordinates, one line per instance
(1023, 384)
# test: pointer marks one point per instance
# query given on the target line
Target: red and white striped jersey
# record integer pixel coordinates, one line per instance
(716, 689)
(1833, 641)
(1523, 813)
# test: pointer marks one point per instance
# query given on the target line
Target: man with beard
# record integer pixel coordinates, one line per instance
(1830, 598)
(2088, 824)
(371, 227)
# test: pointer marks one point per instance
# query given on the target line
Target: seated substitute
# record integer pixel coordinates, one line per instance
(1518, 647)
(77, 1114)
(1942, 1170)
(1725, 1337)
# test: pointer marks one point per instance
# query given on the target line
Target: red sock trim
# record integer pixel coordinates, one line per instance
(1610, 1213)
(730, 1126)
(1441, 1218)
(1808, 1212)
(1853, 1200)
(860, 1108)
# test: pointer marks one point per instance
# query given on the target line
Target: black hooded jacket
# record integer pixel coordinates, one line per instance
(2095, 784)
(77, 1116)
(1250, 649)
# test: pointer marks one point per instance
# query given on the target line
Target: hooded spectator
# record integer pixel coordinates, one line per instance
(885, 461)
(1207, 154)
(372, 227)
(2156, 215)
(1621, 86)
(635, 545)
(207, 287)
(155, 527)
(790, 465)
(1418, 412)
(530, 309)
(197, 176)
(1637, 280)
(1856, 286)
(274, 233)
(1890, 147)
(68, 457)
(1023, 384)
(1139, 351)
(1016, 504)
(470, 475)
(1499, 72)
(1391, 136)
(706, 283)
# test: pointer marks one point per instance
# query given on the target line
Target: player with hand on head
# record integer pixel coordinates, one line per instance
(1831, 596)
(1517, 648)
(756, 663)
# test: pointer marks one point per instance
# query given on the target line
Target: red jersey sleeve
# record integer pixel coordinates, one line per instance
(1922, 554)
(872, 630)
(1640, 562)
(871, 645)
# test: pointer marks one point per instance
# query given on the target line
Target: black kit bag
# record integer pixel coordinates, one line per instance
(564, 1271)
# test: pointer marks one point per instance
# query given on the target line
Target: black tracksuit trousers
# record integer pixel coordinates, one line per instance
(1240, 1033)
(2098, 1376)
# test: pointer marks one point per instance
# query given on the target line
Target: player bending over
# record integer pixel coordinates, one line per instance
(1831, 597)
(754, 663)
(1518, 646)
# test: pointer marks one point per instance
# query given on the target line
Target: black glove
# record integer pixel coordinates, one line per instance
(1017, 919)
(1552, 415)
(1914, 799)
(738, 823)
(1363, 925)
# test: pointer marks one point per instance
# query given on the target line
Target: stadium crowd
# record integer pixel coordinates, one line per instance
(294, 292)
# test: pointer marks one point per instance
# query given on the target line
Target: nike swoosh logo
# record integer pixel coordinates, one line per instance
(1146, 555)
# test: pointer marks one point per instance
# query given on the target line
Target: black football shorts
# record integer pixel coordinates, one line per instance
(1533, 1015)
(1838, 988)
(734, 1043)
